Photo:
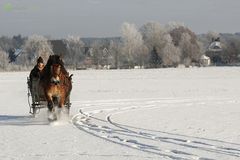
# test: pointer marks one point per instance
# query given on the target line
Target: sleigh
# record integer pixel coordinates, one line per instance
(36, 97)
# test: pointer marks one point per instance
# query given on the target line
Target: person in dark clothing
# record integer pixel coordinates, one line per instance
(35, 72)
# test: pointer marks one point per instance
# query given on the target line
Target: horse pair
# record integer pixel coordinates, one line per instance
(56, 84)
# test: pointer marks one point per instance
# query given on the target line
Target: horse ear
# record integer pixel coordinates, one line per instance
(70, 77)
(60, 57)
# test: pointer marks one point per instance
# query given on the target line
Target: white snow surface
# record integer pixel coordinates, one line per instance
(183, 113)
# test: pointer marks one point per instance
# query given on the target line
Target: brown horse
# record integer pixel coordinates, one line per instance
(56, 84)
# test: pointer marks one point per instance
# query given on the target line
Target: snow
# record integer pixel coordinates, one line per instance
(184, 113)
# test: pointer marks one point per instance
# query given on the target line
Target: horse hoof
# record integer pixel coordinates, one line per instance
(52, 117)
(65, 111)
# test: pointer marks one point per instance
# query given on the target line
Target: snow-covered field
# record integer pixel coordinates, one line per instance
(185, 113)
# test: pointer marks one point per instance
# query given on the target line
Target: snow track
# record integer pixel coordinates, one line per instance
(190, 113)
(96, 119)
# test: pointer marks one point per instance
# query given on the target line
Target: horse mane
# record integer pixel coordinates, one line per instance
(53, 59)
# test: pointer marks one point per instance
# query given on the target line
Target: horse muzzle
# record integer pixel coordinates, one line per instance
(55, 81)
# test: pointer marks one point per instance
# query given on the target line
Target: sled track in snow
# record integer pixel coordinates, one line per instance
(95, 118)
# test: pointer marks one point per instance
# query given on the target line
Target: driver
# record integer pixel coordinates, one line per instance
(35, 72)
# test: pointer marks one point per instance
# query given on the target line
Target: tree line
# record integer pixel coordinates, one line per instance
(151, 46)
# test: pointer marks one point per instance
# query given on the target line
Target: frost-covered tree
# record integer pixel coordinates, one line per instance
(115, 49)
(176, 35)
(231, 50)
(34, 47)
(202, 49)
(187, 41)
(171, 54)
(154, 59)
(173, 25)
(154, 38)
(4, 61)
(212, 36)
(96, 53)
(190, 51)
(142, 56)
(75, 54)
(132, 41)
(153, 35)
(6, 43)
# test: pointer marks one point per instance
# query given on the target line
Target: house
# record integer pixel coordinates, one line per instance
(59, 47)
(215, 52)
(205, 61)
(13, 54)
(215, 45)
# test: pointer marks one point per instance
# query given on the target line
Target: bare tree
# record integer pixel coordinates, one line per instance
(132, 41)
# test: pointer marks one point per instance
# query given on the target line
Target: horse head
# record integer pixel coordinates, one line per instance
(53, 60)
(55, 73)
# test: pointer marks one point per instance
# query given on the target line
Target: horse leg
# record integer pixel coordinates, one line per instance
(51, 115)
(50, 103)
(64, 109)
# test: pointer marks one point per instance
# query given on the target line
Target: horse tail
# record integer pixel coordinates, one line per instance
(70, 77)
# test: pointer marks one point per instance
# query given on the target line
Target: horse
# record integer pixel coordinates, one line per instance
(56, 84)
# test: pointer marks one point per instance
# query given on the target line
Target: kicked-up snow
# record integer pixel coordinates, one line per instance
(184, 113)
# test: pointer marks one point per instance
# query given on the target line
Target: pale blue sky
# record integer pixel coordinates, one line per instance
(103, 18)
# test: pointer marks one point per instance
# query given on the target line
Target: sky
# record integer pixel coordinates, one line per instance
(103, 18)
